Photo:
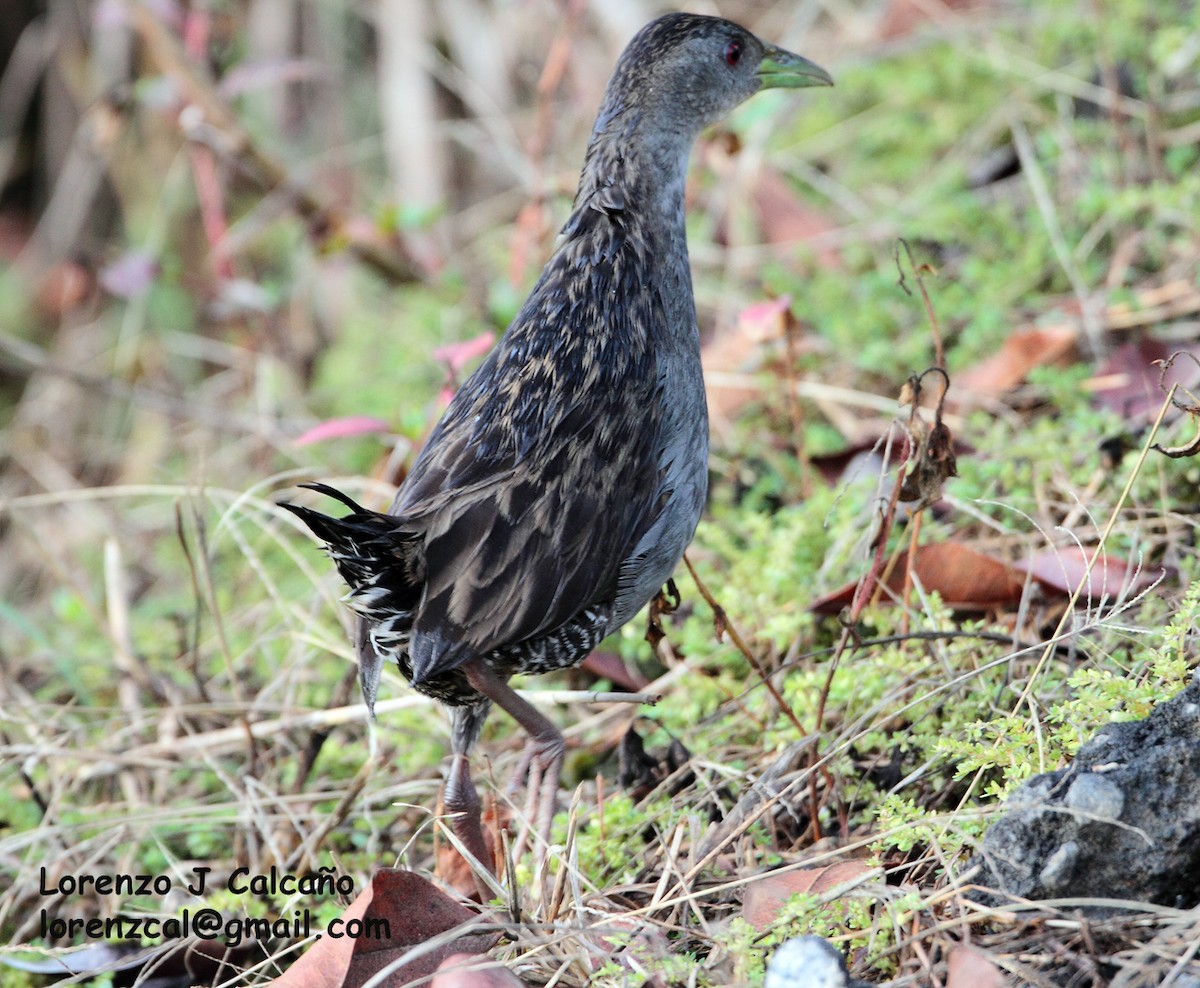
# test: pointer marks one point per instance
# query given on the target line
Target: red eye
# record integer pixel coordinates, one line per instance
(733, 53)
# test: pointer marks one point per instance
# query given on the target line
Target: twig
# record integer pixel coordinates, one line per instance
(161, 754)
(939, 354)
(723, 624)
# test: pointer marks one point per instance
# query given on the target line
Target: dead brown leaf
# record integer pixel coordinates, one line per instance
(785, 218)
(968, 967)
(768, 893)
(965, 579)
(415, 912)
(610, 666)
(1061, 570)
(1024, 350)
(732, 351)
(934, 460)
(64, 288)
(1135, 379)
(903, 17)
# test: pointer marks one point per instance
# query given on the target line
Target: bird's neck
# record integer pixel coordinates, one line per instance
(637, 181)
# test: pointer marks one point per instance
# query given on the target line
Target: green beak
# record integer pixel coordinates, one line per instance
(781, 69)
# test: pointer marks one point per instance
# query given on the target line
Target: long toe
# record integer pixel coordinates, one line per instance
(551, 762)
(524, 770)
(540, 769)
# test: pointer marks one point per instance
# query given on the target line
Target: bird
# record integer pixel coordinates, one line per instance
(557, 493)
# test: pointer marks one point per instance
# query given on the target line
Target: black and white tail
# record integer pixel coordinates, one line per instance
(373, 553)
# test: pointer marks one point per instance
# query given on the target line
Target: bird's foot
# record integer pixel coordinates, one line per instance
(540, 767)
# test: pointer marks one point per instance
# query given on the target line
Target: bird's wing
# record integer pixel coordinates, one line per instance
(535, 487)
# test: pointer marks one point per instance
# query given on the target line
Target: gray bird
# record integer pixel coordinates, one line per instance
(559, 490)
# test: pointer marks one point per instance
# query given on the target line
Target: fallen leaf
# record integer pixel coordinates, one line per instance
(785, 218)
(859, 460)
(969, 967)
(16, 227)
(732, 351)
(903, 17)
(1022, 351)
(766, 895)
(1061, 570)
(63, 288)
(1133, 384)
(764, 320)
(965, 579)
(415, 912)
(610, 666)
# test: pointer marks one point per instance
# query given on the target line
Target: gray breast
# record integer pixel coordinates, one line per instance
(684, 485)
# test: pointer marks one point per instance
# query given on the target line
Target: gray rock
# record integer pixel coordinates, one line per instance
(1122, 822)
(809, 962)
(806, 962)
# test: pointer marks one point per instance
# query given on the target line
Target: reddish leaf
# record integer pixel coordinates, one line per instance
(415, 913)
(458, 355)
(607, 665)
(965, 579)
(1024, 350)
(1061, 570)
(343, 428)
(766, 895)
(857, 459)
(763, 320)
(785, 218)
(902, 17)
(968, 967)
(16, 227)
(732, 351)
(1134, 386)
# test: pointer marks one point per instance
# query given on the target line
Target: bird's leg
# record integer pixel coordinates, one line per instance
(459, 797)
(462, 803)
(544, 751)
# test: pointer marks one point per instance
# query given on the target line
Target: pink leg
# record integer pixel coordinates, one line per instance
(459, 797)
(544, 752)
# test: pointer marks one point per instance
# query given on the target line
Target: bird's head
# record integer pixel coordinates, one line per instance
(686, 71)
